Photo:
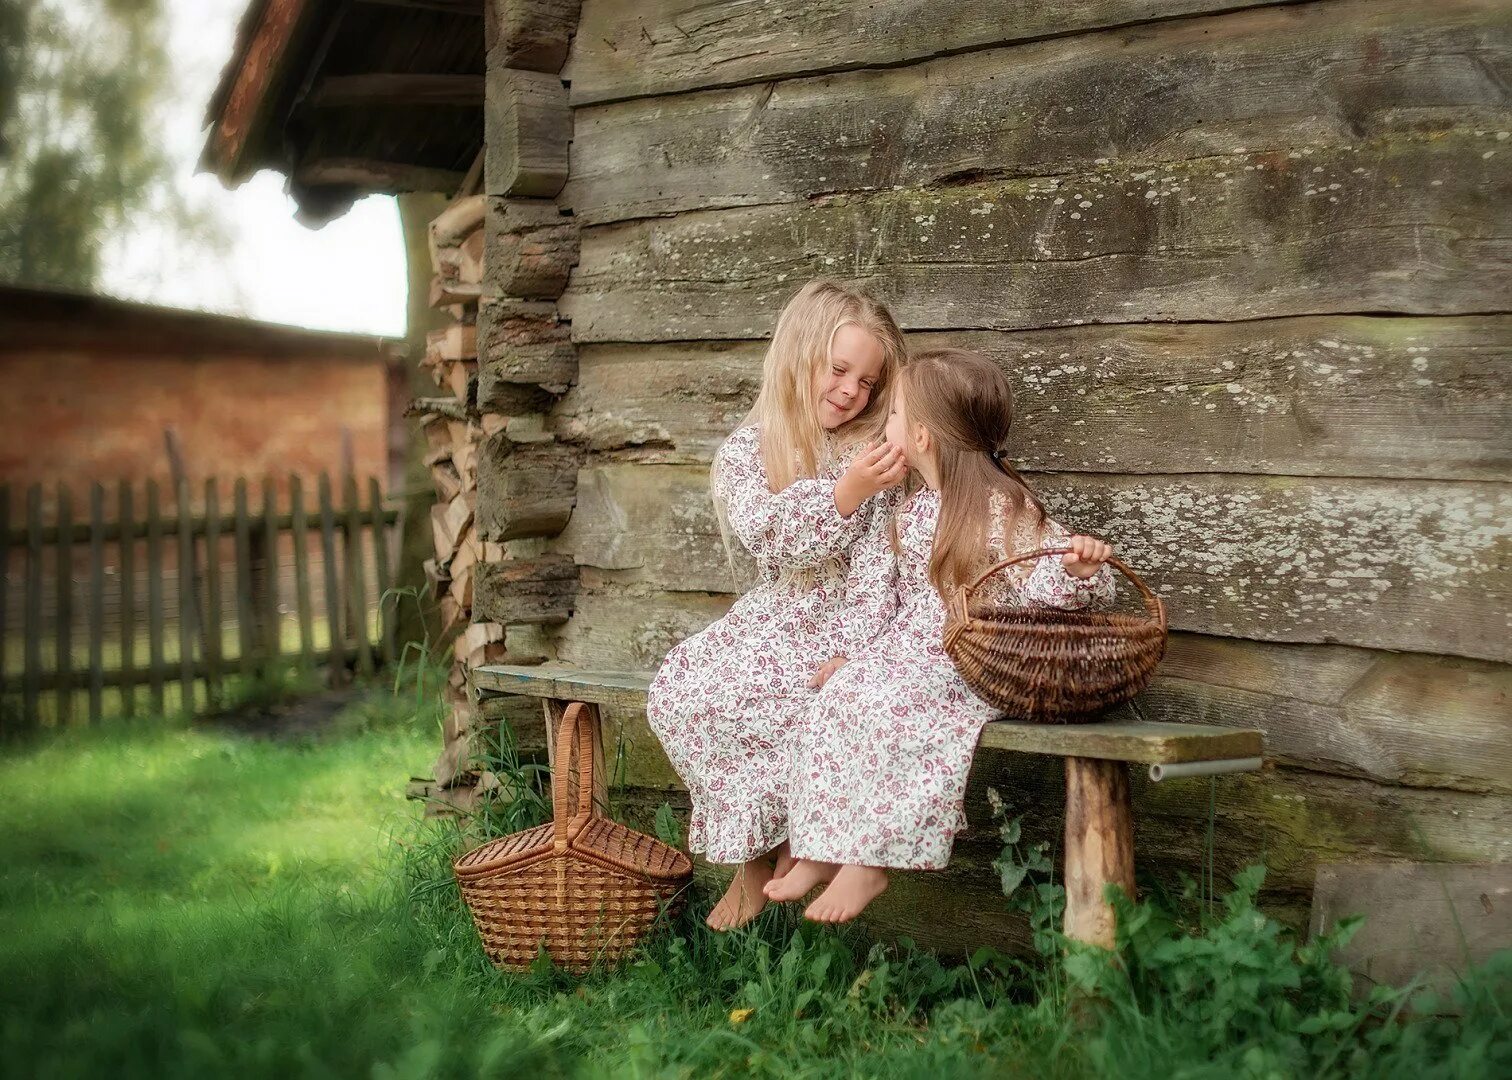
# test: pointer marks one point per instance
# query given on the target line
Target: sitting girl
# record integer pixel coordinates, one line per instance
(795, 484)
(879, 772)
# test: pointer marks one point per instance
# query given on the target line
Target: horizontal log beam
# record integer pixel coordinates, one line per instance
(379, 176)
(396, 88)
(1352, 72)
(1414, 226)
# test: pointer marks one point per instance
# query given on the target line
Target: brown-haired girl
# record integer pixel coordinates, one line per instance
(795, 484)
(879, 773)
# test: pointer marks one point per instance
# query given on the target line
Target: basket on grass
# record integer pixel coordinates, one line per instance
(584, 887)
(1052, 666)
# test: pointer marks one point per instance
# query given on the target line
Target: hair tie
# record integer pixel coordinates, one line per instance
(997, 455)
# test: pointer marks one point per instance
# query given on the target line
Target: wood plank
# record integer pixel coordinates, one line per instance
(1174, 91)
(213, 626)
(247, 105)
(1414, 228)
(31, 637)
(156, 668)
(388, 599)
(1147, 743)
(537, 590)
(369, 174)
(1382, 564)
(332, 577)
(527, 126)
(523, 490)
(667, 46)
(267, 596)
(96, 615)
(303, 602)
(1422, 921)
(187, 602)
(356, 575)
(529, 248)
(64, 582)
(396, 88)
(529, 34)
(1322, 396)
(245, 608)
(129, 625)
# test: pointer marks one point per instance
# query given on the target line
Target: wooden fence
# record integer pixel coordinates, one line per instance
(101, 604)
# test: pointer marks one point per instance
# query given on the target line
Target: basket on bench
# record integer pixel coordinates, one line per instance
(584, 887)
(1051, 666)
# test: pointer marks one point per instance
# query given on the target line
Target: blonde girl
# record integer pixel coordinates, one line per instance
(879, 772)
(795, 485)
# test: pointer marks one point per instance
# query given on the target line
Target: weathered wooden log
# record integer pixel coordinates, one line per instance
(527, 126)
(1336, 395)
(1384, 564)
(455, 342)
(530, 248)
(540, 590)
(1413, 227)
(523, 490)
(1180, 90)
(523, 343)
(667, 46)
(1099, 849)
(529, 34)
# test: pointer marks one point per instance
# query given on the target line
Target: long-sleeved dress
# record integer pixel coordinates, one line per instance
(879, 769)
(726, 702)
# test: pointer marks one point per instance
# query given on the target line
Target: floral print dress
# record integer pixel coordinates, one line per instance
(879, 771)
(727, 701)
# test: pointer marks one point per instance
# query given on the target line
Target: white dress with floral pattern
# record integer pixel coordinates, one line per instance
(879, 772)
(727, 701)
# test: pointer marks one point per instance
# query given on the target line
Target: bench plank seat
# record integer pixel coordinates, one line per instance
(1140, 741)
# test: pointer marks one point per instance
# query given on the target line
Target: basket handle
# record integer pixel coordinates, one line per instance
(575, 732)
(1153, 604)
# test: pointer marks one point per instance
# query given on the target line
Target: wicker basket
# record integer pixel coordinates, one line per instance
(1049, 666)
(584, 887)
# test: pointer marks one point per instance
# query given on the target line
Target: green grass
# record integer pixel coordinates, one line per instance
(185, 902)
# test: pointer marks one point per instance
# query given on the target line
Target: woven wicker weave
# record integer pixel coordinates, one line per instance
(584, 887)
(1050, 666)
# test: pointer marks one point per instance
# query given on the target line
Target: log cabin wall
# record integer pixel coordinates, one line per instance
(1247, 265)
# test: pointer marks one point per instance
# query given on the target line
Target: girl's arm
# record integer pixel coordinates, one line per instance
(798, 526)
(1049, 585)
(871, 584)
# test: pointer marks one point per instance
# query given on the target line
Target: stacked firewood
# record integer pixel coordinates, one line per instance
(502, 251)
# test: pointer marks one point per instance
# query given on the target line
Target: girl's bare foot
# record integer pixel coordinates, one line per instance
(743, 900)
(847, 896)
(785, 860)
(798, 881)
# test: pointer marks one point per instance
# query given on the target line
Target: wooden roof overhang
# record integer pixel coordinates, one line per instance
(350, 97)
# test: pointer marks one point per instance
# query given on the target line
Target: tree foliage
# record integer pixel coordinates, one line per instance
(81, 90)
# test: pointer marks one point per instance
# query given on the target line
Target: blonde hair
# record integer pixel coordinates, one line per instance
(965, 403)
(794, 443)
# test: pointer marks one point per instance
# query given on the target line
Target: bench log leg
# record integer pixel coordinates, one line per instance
(554, 710)
(1099, 846)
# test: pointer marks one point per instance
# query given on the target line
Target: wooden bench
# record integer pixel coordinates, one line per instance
(1099, 836)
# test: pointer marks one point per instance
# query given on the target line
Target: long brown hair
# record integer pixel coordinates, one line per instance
(965, 403)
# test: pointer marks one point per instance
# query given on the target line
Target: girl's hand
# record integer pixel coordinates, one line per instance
(878, 469)
(821, 676)
(1086, 556)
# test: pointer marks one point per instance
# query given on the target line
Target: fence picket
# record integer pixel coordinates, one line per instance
(213, 631)
(356, 577)
(155, 627)
(186, 600)
(301, 536)
(32, 642)
(64, 584)
(96, 602)
(388, 606)
(332, 578)
(272, 624)
(127, 515)
(244, 617)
